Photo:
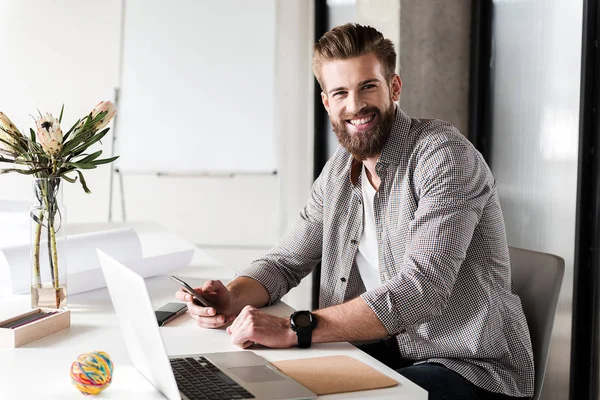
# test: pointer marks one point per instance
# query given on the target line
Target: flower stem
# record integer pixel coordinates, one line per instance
(47, 205)
(55, 264)
(54, 256)
(36, 250)
(50, 258)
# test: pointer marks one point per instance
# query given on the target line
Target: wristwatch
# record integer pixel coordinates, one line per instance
(303, 323)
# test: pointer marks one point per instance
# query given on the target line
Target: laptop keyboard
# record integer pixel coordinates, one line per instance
(199, 379)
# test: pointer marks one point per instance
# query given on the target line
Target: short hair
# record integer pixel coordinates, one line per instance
(353, 40)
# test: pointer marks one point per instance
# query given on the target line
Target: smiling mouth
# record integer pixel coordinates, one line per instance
(362, 121)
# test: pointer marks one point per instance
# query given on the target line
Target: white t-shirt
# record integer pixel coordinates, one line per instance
(367, 256)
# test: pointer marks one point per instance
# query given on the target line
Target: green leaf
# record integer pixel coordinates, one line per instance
(7, 170)
(89, 158)
(17, 139)
(90, 141)
(68, 179)
(71, 130)
(22, 171)
(80, 165)
(65, 170)
(32, 134)
(17, 144)
(80, 138)
(83, 183)
(104, 160)
(16, 147)
(61, 113)
(89, 124)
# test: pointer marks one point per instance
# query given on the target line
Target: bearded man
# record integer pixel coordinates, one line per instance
(406, 221)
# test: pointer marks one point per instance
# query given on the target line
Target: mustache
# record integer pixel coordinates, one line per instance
(362, 113)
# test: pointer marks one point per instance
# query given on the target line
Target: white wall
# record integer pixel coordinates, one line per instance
(200, 73)
(65, 51)
(384, 15)
(68, 51)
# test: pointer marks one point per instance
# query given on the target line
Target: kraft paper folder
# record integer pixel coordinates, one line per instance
(334, 374)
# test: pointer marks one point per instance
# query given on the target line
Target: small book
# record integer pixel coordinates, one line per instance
(334, 374)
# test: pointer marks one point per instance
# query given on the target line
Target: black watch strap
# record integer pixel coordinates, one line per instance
(303, 323)
(304, 338)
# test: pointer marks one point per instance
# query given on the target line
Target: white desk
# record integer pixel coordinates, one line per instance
(41, 368)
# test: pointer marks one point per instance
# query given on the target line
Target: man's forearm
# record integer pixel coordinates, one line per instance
(348, 322)
(247, 291)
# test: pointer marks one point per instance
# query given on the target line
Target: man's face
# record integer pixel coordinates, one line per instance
(360, 103)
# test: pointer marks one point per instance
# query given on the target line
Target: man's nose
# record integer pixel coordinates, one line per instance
(355, 103)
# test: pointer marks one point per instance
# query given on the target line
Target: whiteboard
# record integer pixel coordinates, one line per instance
(197, 86)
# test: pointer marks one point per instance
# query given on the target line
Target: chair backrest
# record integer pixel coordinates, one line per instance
(537, 278)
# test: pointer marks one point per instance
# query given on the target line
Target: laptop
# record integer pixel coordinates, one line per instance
(229, 375)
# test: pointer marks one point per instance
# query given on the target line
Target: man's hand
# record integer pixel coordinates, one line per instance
(254, 326)
(218, 296)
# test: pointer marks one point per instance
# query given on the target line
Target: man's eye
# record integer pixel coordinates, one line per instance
(337, 94)
(369, 86)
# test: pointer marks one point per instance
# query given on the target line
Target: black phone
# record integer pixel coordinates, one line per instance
(198, 299)
(169, 312)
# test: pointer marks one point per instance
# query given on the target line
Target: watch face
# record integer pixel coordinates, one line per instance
(302, 320)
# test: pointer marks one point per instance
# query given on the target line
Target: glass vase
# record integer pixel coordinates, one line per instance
(48, 245)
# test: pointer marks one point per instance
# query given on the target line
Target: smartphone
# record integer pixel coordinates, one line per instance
(169, 312)
(198, 299)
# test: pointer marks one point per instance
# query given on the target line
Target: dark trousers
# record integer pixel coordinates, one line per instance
(439, 381)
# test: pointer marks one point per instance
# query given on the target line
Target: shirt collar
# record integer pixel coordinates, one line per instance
(392, 151)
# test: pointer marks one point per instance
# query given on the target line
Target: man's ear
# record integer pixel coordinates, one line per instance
(396, 87)
(325, 101)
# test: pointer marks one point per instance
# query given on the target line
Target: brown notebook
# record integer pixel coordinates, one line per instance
(334, 374)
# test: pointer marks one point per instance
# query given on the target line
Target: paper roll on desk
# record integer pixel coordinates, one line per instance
(83, 267)
(14, 222)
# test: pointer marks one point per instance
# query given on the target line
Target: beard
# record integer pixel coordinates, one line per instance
(368, 143)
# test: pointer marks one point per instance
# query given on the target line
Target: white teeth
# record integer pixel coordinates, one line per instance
(361, 121)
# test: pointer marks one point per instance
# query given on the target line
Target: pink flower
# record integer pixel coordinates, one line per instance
(110, 109)
(8, 132)
(49, 134)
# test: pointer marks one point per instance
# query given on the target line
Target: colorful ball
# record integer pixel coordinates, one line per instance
(92, 372)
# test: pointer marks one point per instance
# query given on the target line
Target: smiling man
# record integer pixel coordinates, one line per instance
(406, 222)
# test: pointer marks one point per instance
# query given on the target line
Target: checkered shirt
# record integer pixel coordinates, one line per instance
(444, 263)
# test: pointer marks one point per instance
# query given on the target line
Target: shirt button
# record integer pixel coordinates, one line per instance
(354, 241)
(343, 279)
(403, 331)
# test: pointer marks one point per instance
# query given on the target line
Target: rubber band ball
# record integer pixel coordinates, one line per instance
(92, 372)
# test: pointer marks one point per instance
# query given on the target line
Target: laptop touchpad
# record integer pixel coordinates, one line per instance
(256, 374)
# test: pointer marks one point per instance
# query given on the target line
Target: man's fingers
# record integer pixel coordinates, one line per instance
(209, 322)
(201, 311)
(242, 329)
(183, 296)
(213, 286)
(238, 321)
(242, 337)
(206, 313)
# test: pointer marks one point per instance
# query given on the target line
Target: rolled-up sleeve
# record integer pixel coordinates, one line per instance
(452, 185)
(283, 267)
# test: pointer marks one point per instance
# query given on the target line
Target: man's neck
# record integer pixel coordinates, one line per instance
(369, 164)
